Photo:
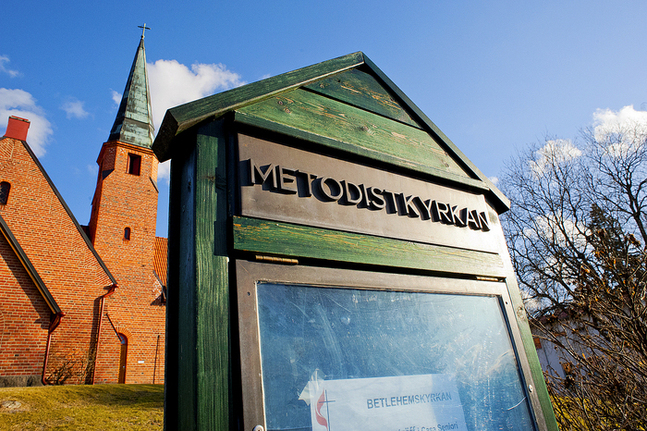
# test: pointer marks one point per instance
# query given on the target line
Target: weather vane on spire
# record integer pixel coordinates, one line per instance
(144, 28)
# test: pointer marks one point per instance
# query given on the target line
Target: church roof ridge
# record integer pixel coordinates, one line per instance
(134, 121)
(180, 119)
(67, 209)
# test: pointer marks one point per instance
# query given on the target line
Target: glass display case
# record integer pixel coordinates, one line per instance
(333, 349)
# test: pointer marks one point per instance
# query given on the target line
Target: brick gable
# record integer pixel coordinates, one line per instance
(61, 255)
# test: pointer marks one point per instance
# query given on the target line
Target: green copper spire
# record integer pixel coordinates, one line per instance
(134, 122)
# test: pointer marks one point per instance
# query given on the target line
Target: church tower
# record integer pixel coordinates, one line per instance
(122, 230)
(124, 207)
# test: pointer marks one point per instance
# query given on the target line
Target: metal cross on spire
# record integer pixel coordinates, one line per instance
(144, 28)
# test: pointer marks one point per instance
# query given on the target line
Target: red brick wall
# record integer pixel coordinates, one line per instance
(108, 355)
(24, 318)
(125, 200)
(143, 325)
(75, 278)
(49, 237)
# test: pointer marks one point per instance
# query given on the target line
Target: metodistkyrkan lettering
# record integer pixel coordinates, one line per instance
(327, 189)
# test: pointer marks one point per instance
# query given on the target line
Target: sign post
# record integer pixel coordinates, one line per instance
(336, 263)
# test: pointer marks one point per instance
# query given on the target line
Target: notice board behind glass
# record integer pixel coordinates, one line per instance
(331, 349)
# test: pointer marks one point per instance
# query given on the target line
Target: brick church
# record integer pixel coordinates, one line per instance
(84, 304)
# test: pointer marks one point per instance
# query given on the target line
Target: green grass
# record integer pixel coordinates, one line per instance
(72, 407)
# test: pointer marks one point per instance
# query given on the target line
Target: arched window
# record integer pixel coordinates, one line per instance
(5, 187)
(127, 234)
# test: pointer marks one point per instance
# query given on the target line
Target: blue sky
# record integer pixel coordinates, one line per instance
(492, 75)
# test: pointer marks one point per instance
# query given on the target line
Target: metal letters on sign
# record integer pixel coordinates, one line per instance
(287, 184)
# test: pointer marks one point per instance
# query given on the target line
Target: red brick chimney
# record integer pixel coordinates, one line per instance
(17, 128)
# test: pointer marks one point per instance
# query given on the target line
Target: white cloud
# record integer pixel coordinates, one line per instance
(21, 104)
(607, 121)
(532, 303)
(116, 97)
(172, 84)
(621, 131)
(4, 59)
(561, 231)
(495, 180)
(164, 170)
(74, 108)
(554, 153)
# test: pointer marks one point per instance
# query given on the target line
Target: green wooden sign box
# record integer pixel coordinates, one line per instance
(335, 260)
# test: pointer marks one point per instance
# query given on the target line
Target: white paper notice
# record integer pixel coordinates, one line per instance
(427, 402)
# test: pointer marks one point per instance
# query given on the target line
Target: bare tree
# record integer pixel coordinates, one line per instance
(577, 232)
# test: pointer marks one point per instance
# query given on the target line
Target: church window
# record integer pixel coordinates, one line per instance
(5, 187)
(127, 234)
(134, 164)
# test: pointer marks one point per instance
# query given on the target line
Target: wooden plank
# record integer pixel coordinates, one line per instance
(498, 199)
(198, 371)
(214, 399)
(260, 236)
(362, 90)
(185, 116)
(362, 132)
(546, 406)
(179, 399)
(446, 177)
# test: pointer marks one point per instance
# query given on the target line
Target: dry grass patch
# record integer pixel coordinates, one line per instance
(72, 407)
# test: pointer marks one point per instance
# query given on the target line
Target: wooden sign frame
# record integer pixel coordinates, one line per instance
(344, 109)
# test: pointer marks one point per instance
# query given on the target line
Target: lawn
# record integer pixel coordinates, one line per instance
(72, 407)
